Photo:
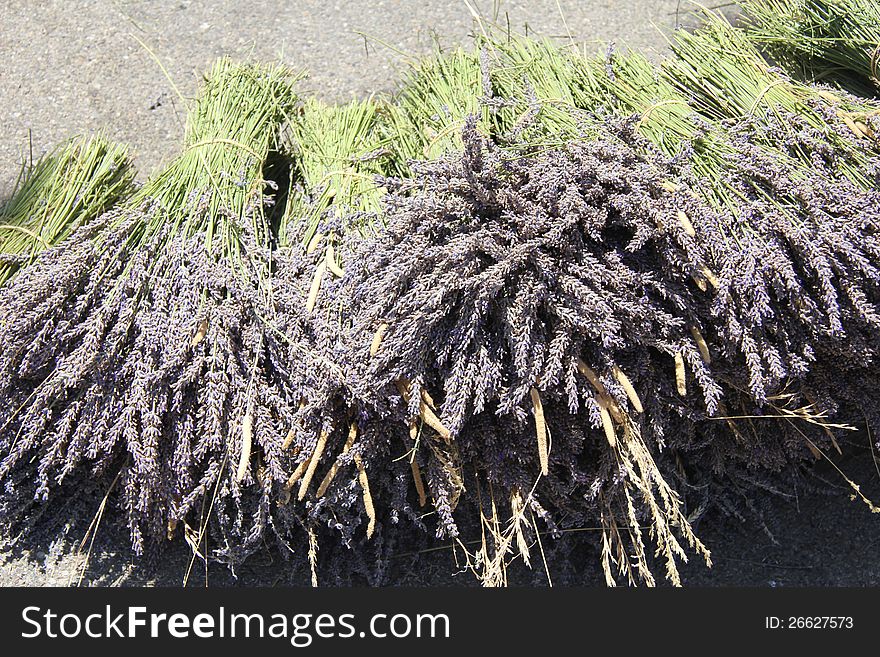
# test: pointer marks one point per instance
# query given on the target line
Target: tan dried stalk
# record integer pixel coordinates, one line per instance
(246, 439)
(316, 286)
(686, 224)
(368, 498)
(414, 466)
(328, 478)
(378, 336)
(200, 333)
(314, 243)
(701, 345)
(425, 412)
(330, 260)
(680, 376)
(313, 465)
(541, 432)
(628, 388)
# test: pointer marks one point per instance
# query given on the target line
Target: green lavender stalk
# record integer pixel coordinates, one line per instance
(64, 189)
(823, 40)
(436, 97)
(724, 77)
(337, 152)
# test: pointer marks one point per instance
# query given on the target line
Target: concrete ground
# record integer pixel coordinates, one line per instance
(78, 66)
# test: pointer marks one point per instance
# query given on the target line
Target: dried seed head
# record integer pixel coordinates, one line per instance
(316, 286)
(297, 474)
(710, 276)
(540, 431)
(377, 339)
(588, 372)
(864, 128)
(425, 412)
(331, 474)
(429, 418)
(813, 449)
(368, 498)
(246, 438)
(288, 440)
(851, 125)
(680, 380)
(827, 95)
(200, 333)
(428, 399)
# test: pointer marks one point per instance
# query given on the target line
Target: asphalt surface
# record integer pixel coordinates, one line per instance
(71, 67)
(78, 66)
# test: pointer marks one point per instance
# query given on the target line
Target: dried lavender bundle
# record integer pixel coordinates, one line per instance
(798, 295)
(795, 270)
(512, 319)
(437, 94)
(724, 76)
(352, 475)
(337, 152)
(348, 476)
(432, 324)
(820, 39)
(729, 171)
(797, 274)
(135, 350)
(68, 187)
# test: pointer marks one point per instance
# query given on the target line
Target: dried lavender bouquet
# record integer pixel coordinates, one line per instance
(816, 152)
(510, 328)
(133, 352)
(337, 155)
(724, 77)
(792, 331)
(797, 273)
(837, 40)
(65, 188)
(516, 67)
(762, 193)
(350, 480)
(790, 274)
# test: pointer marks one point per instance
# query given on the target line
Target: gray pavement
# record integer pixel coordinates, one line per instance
(76, 66)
